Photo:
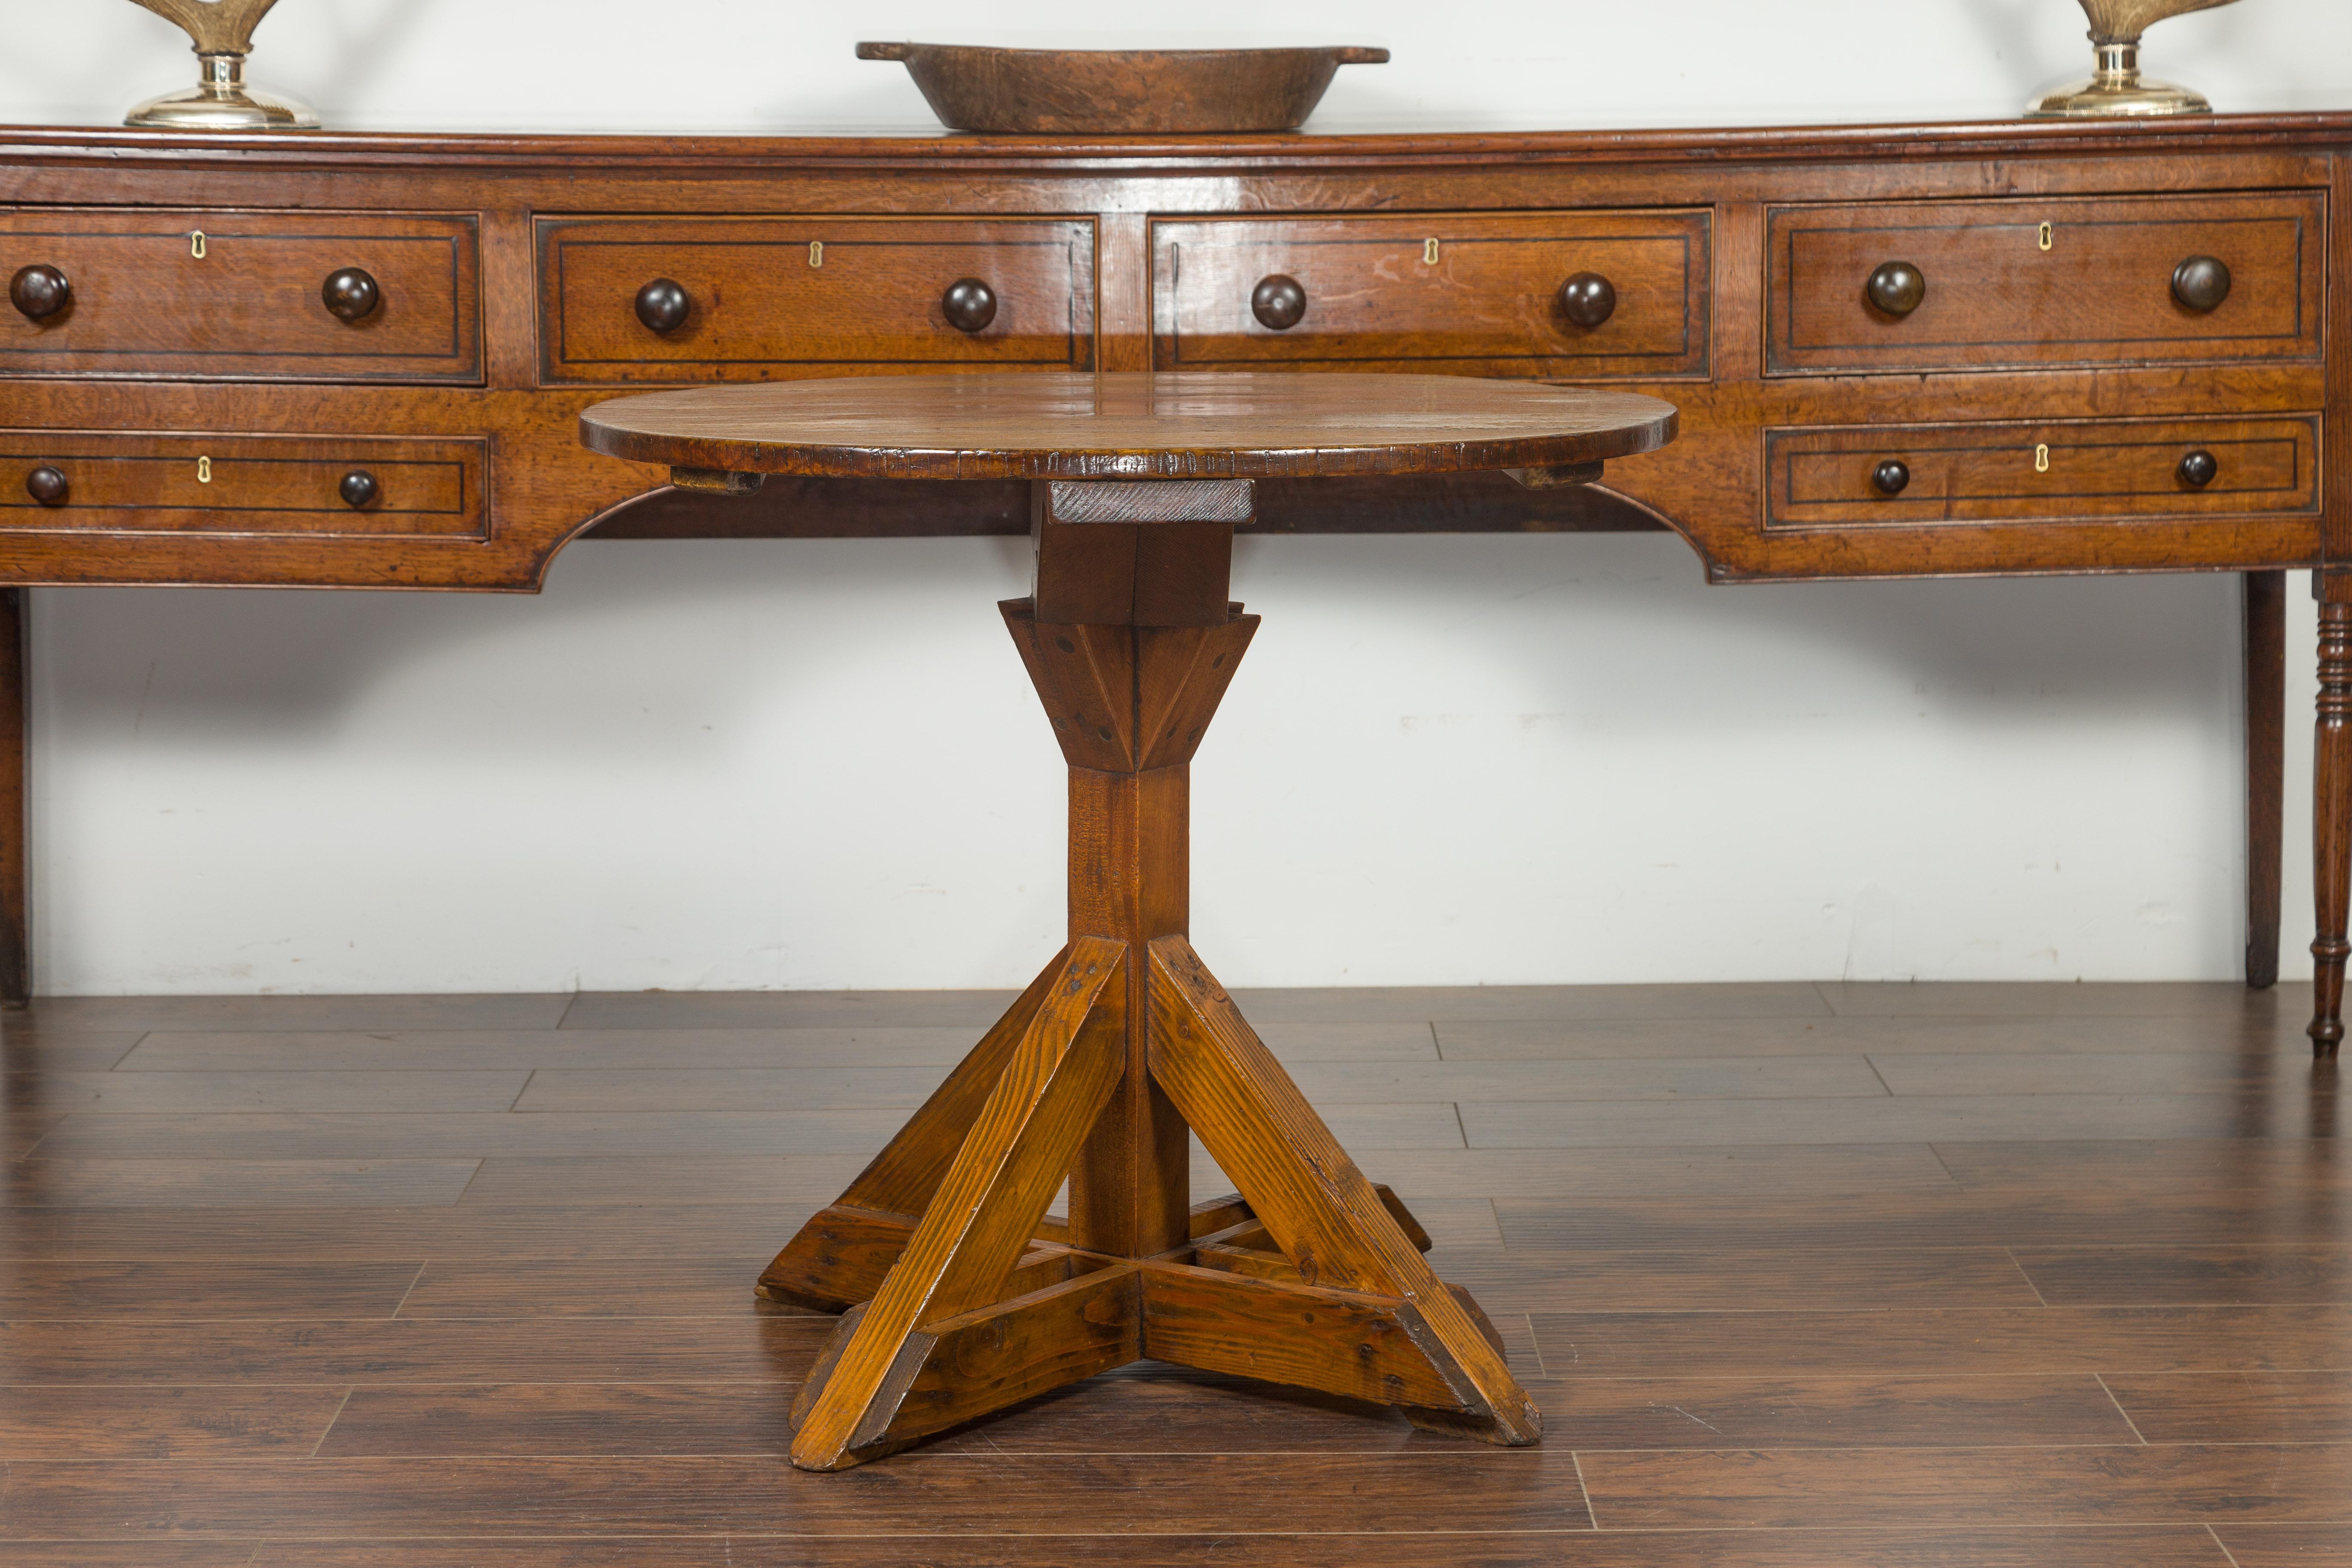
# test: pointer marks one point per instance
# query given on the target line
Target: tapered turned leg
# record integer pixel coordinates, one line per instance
(15, 820)
(2331, 809)
(2265, 672)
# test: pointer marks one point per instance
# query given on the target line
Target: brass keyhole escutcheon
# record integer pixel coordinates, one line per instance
(817, 253)
(1429, 253)
(204, 470)
(2042, 457)
(2046, 235)
(196, 245)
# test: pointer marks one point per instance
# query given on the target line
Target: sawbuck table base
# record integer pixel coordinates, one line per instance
(960, 1296)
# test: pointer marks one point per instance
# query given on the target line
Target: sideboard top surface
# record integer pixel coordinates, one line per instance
(1975, 139)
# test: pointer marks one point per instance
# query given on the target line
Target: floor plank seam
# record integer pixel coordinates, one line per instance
(2121, 1411)
(413, 1280)
(1592, 1514)
(2228, 1556)
(2010, 1252)
(340, 1407)
(135, 1044)
(468, 1187)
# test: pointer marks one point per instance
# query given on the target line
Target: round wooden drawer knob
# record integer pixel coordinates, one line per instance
(664, 304)
(969, 304)
(1587, 299)
(351, 295)
(1896, 287)
(2201, 282)
(2198, 468)
(47, 485)
(358, 489)
(1278, 302)
(39, 291)
(1891, 477)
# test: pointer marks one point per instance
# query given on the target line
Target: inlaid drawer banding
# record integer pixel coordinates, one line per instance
(2019, 281)
(1593, 295)
(311, 486)
(240, 296)
(1925, 475)
(742, 299)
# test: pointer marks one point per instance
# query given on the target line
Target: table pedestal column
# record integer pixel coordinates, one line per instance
(959, 1294)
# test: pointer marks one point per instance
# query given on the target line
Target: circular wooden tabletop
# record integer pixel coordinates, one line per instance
(1195, 424)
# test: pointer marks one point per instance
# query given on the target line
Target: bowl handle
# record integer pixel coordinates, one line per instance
(898, 51)
(1347, 57)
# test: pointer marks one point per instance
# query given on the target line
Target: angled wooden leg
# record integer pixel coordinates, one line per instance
(1032, 1342)
(1317, 1205)
(840, 1256)
(983, 1216)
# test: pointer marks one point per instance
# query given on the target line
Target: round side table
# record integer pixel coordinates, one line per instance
(959, 1294)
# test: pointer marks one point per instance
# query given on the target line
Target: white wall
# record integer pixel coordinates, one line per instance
(815, 764)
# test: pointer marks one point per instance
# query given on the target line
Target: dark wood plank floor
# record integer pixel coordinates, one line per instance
(1803, 1276)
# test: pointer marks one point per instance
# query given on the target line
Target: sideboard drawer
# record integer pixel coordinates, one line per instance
(186, 294)
(2064, 470)
(2020, 281)
(689, 300)
(1478, 293)
(115, 482)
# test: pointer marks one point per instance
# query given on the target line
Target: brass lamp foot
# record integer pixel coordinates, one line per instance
(2116, 88)
(222, 102)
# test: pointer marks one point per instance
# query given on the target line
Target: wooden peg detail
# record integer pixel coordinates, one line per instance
(1085, 675)
(1124, 698)
(1180, 676)
(987, 1207)
(1315, 1203)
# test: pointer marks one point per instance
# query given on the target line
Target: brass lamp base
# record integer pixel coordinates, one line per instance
(221, 101)
(2116, 88)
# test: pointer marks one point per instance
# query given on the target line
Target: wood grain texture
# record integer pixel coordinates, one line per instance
(2100, 294)
(1320, 1209)
(545, 489)
(248, 307)
(1112, 427)
(808, 296)
(1458, 292)
(1118, 92)
(2188, 1484)
(1748, 1335)
(988, 1206)
(2154, 1546)
(246, 485)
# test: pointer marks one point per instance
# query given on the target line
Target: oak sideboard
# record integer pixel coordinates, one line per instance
(357, 361)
